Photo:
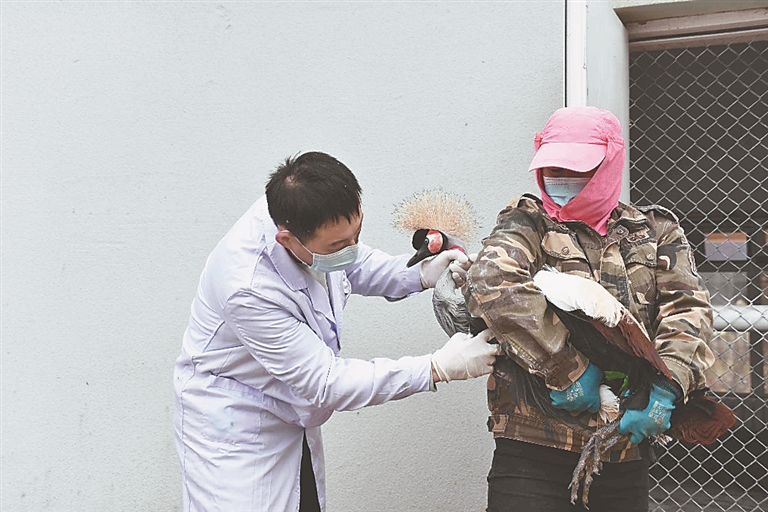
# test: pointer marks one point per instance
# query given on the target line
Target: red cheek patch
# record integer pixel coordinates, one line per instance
(435, 241)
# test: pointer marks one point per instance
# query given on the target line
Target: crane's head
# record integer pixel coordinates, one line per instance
(429, 242)
(438, 220)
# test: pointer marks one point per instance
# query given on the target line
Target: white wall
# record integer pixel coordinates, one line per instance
(135, 133)
(607, 59)
(597, 64)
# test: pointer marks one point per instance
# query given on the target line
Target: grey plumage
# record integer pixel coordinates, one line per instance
(449, 306)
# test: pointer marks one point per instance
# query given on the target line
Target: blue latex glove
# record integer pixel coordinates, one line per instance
(652, 420)
(582, 395)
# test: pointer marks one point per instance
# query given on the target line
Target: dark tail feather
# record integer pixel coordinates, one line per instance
(523, 386)
(476, 325)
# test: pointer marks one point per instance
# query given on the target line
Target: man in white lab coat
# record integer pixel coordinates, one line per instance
(260, 371)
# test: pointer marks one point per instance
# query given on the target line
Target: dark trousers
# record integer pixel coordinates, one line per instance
(308, 501)
(532, 478)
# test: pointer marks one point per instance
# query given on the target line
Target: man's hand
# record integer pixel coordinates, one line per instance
(652, 420)
(582, 395)
(431, 269)
(465, 357)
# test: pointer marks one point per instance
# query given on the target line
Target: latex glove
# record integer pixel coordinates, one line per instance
(652, 420)
(459, 270)
(465, 357)
(582, 395)
(432, 268)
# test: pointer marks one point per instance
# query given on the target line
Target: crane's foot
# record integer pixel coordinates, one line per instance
(589, 463)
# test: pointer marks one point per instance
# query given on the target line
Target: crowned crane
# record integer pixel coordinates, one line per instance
(441, 221)
(604, 330)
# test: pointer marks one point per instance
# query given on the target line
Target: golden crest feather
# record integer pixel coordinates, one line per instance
(437, 209)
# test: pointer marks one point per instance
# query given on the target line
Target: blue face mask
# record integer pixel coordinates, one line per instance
(333, 262)
(562, 190)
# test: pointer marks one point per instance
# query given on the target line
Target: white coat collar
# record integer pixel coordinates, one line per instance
(292, 274)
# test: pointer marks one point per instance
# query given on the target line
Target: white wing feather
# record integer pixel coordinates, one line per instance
(570, 292)
(609, 405)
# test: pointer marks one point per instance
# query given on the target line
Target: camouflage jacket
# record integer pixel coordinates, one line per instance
(644, 261)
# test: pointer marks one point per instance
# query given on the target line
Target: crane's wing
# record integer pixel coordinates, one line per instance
(588, 300)
(701, 419)
(449, 306)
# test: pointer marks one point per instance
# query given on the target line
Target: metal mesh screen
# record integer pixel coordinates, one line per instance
(699, 146)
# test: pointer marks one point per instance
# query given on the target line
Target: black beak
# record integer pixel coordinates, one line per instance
(422, 254)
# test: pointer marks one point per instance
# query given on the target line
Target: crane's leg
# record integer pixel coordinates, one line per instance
(589, 463)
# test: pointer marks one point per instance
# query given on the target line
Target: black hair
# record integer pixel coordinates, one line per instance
(311, 190)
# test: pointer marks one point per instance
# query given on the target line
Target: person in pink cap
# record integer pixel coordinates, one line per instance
(543, 393)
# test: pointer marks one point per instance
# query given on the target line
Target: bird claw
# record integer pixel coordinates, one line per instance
(589, 463)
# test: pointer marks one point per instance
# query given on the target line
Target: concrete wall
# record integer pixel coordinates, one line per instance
(607, 64)
(135, 133)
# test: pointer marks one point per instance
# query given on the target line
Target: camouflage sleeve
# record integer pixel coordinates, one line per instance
(683, 324)
(501, 291)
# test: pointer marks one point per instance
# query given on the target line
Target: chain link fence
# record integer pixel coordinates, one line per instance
(699, 146)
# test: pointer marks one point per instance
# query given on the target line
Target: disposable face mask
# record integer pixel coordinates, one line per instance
(333, 262)
(338, 260)
(562, 190)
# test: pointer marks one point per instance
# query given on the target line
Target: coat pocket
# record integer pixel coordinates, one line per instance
(640, 262)
(564, 255)
(561, 246)
(232, 411)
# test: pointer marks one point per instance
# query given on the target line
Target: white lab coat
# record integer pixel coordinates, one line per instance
(259, 367)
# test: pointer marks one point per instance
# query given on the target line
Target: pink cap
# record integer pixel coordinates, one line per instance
(576, 138)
